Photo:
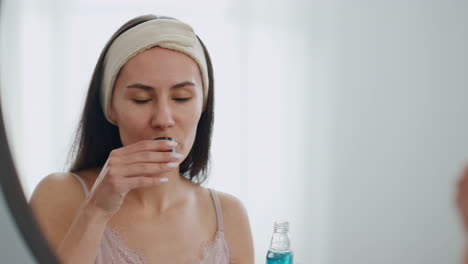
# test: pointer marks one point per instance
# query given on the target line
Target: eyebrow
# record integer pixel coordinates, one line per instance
(149, 88)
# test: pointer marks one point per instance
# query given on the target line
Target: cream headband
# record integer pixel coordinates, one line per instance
(166, 33)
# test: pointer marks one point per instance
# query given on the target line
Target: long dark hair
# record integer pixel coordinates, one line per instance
(96, 137)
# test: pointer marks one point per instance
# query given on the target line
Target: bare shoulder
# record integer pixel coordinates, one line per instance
(55, 201)
(231, 205)
(237, 229)
(59, 188)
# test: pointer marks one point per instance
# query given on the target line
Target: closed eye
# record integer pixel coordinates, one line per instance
(141, 101)
(175, 99)
(182, 99)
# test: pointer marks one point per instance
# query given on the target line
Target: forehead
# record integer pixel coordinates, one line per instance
(161, 64)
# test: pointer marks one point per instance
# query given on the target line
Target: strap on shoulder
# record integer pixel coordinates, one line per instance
(219, 211)
(83, 184)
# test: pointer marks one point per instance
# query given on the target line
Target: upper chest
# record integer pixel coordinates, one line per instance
(178, 236)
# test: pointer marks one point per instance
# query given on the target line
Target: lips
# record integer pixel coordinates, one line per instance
(164, 138)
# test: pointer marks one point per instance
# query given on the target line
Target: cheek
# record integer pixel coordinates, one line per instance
(128, 115)
(190, 114)
(191, 123)
(130, 124)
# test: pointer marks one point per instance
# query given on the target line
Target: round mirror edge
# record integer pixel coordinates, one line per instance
(18, 206)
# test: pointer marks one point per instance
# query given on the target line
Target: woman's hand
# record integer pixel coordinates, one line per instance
(134, 166)
(462, 196)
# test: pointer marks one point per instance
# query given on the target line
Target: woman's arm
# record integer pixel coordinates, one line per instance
(237, 229)
(462, 204)
(72, 226)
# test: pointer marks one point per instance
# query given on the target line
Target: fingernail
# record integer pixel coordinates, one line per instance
(163, 179)
(172, 164)
(171, 143)
(176, 155)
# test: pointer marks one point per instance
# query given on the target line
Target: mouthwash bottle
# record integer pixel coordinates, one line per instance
(280, 246)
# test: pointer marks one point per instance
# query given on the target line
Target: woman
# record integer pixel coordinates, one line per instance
(462, 205)
(129, 198)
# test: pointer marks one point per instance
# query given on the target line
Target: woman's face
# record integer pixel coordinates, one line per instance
(158, 94)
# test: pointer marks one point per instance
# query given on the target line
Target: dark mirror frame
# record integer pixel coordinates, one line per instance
(19, 207)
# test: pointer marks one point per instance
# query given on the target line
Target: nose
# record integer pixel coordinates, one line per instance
(162, 116)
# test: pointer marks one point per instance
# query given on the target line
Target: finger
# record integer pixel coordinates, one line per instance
(144, 169)
(465, 171)
(140, 182)
(147, 145)
(462, 179)
(458, 199)
(150, 157)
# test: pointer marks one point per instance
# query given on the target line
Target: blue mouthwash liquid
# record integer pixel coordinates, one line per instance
(279, 258)
(280, 246)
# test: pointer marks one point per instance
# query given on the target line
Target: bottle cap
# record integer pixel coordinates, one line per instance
(281, 226)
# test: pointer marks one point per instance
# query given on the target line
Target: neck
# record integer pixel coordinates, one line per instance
(162, 197)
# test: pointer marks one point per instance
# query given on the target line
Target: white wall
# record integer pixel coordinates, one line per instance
(286, 136)
(400, 133)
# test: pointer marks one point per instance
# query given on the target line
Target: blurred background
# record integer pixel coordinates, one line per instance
(346, 118)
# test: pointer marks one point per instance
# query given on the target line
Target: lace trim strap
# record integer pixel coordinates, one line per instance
(83, 184)
(219, 211)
